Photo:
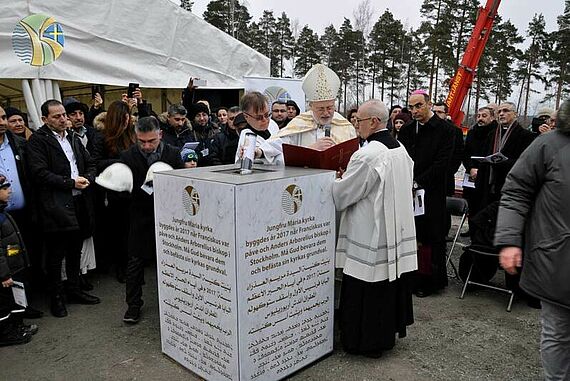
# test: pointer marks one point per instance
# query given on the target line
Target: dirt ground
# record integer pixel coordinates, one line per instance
(452, 339)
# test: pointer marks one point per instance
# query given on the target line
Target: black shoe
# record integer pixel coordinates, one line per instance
(13, 337)
(132, 315)
(58, 307)
(80, 297)
(32, 313)
(421, 293)
(30, 329)
(84, 284)
(533, 303)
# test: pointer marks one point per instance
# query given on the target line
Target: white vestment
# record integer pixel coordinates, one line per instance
(377, 236)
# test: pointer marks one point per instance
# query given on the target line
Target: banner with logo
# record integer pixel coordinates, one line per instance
(277, 88)
(151, 42)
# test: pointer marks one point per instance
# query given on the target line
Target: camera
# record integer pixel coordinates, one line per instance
(537, 122)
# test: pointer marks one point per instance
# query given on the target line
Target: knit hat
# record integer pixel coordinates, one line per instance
(321, 83)
(544, 111)
(197, 108)
(188, 154)
(11, 111)
(72, 104)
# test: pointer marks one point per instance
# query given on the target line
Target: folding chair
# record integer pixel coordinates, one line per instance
(456, 207)
(487, 275)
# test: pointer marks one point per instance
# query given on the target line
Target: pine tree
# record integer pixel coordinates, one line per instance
(307, 51)
(268, 27)
(386, 39)
(533, 55)
(329, 39)
(558, 60)
(284, 42)
(217, 14)
(228, 16)
(503, 55)
(186, 4)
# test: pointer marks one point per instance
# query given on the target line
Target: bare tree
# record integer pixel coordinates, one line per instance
(362, 16)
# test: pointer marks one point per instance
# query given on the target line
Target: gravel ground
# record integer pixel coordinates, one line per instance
(452, 339)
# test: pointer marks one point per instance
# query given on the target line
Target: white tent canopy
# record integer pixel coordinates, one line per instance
(151, 42)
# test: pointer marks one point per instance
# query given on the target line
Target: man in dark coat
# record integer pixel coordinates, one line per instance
(141, 241)
(61, 169)
(176, 129)
(429, 141)
(476, 145)
(534, 216)
(510, 139)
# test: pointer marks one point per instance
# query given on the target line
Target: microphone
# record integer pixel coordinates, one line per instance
(327, 130)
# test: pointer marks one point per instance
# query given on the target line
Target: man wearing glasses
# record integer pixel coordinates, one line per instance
(430, 143)
(257, 116)
(320, 127)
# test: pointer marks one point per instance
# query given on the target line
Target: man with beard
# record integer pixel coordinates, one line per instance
(475, 145)
(430, 143)
(203, 132)
(279, 113)
(310, 129)
(141, 239)
(510, 139)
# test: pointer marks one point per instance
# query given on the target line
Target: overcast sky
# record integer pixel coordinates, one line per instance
(320, 13)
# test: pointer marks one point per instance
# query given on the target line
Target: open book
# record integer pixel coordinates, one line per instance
(332, 158)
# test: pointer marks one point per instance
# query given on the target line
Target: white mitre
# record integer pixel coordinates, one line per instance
(321, 84)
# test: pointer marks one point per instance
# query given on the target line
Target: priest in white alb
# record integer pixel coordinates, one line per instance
(320, 127)
(377, 238)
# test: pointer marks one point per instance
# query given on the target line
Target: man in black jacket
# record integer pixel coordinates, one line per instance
(224, 145)
(141, 240)
(61, 170)
(429, 141)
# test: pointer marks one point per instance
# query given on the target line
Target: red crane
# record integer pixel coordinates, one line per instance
(463, 79)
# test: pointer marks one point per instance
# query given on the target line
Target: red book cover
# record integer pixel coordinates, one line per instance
(332, 158)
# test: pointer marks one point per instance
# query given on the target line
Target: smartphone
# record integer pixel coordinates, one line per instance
(132, 88)
(200, 82)
(96, 89)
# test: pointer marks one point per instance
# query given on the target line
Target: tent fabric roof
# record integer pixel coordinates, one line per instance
(151, 42)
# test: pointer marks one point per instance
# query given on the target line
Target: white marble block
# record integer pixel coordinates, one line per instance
(245, 269)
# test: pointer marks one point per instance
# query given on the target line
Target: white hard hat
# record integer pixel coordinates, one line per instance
(159, 166)
(117, 177)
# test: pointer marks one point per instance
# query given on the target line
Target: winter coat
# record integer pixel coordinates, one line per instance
(224, 147)
(490, 181)
(431, 149)
(476, 144)
(534, 214)
(173, 137)
(141, 239)
(13, 255)
(51, 177)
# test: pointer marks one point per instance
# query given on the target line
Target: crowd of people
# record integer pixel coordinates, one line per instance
(59, 222)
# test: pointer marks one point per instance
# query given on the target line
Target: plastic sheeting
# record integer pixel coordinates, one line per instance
(151, 42)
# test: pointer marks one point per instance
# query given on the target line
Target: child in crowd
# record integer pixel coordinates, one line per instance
(13, 259)
(189, 158)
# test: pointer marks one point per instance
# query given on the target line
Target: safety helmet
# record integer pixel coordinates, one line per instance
(117, 177)
(159, 166)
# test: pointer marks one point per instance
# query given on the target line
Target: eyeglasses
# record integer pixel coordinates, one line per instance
(358, 120)
(259, 118)
(417, 106)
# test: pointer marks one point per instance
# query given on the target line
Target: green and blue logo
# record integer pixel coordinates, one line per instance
(38, 40)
